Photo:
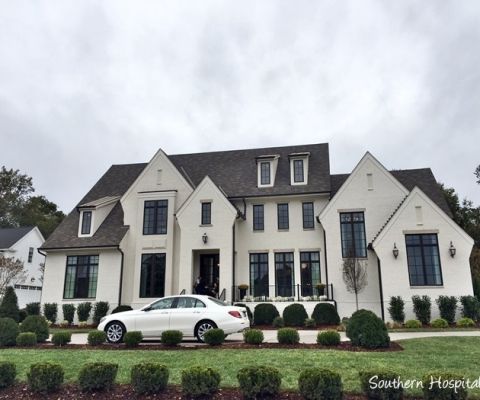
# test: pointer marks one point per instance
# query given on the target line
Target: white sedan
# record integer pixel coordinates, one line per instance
(193, 315)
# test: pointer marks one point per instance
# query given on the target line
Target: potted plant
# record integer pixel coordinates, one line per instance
(320, 289)
(243, 290)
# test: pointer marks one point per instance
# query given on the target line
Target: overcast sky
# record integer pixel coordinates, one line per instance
(87, 84)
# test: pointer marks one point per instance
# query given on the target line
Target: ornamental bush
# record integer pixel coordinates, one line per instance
(38, 325)
(26, 339)
(259, 382)
(380, 392)
(100, 310)
(448, 307)
(328, 338)
(264, 314)
(365, 329)
(68, 312)
(249, 313)
(470, 307)
(214, 337)
(83, 311)
(9, 305)
(45, 377)
(132, 338)
(278, 322)
(465, 323)
(200, 382)
(396, 309)
(253, 336)
(294, 315)
(33, 308)
(413, 324)
(50, 310)
(61, 338)
(439, 323)
(121, 308)
(8, 372)
(325, 314)
(96, 338)
(422, 307)
(440, 389)
(149, 378)
(288, 336)
(320, 384)
(8, 332)
(172, 338)
(97, 376)
(22, 314)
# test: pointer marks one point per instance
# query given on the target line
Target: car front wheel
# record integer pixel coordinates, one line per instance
(202, 328)
(115, 332)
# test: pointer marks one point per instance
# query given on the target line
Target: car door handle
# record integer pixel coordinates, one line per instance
(164, 312)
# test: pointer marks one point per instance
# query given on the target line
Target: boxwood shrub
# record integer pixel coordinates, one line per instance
(288, 336)
(172, 338)
(413, 324)
(8, 372)
(8, 332)
(448, 308)
(132, 338)
(465, 323)
(96, 338)
(200, 382)
(149, 378)
(320, 384)
(68, 312)
(278, 322)
(61, 338)
(380, 392)
(325, 314)
(440, 389)
(439, 323)
(396, 309)
(45, 377)
(294, 315)
(365, 329)
(50, 310)
(470, 307)
(253, 336)
(422, 307)
(264, 314)
(26, 339)
(328, 338)
(97, 376)
(259, 382)
(38, 325)
(214, 337)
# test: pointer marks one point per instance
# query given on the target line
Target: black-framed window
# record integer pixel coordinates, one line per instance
(310, 272)
(284, 278)
(259, 274)
(258, 217)
(423, 259)
(298, 174)
(81, 277)
(206, 213)
(30, 254)
(282, 216)
(152, 275)
(155, 217)
(86, 222)
(265, 173)
(354, 243)
(308, 216)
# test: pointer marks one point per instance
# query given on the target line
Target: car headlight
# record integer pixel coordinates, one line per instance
(103, 319)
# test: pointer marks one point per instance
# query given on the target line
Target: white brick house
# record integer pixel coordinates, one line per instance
(274, 219)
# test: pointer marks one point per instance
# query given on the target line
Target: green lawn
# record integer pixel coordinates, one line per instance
(72, 330)
(456, 354)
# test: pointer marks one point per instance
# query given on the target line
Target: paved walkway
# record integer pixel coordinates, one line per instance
(311, 336)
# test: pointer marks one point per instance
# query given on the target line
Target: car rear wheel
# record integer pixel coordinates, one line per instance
(115, 332)
(202, 328)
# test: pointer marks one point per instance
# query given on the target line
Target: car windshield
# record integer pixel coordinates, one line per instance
(216, 301)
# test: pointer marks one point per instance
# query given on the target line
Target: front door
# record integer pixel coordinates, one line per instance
(209, 273)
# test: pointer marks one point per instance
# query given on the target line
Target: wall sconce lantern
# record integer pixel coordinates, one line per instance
(452, 250)
(395, 250)
(204, 238)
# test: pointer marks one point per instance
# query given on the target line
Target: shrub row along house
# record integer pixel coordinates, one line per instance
(255, 225)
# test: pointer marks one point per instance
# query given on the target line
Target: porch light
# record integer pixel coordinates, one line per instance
(452, 250)
(395, 250)
(204, 238)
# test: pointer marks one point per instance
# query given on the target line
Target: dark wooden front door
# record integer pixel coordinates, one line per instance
(209, 270)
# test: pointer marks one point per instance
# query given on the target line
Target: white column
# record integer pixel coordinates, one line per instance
(271, 274)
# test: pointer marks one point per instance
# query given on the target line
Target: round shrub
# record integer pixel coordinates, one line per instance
(380, 392)
(172, 338)
(68, 312)
(328, 338)
(8, 372)
(253, 336)
(439, 323)
(264, 314)
(214, 337)
(8, 332)
(121, 308)
(278, 322)
(26, 339)
(259, 382)
(465, 323)
(97, 376)
(96, 338)
(132, 338)
(294, 315)
(200, 382)
(309, 323)
(61, 338)
(50, 310)
(45, 377)
(365, 329)
(320, 384)
(149, 378)
(440, 389)
(325, 314)
(413, 324)
(288, 336)
(38, 325)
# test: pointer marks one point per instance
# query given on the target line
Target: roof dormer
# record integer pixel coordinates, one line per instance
(266, 170)
(299, 168)
(93, 213)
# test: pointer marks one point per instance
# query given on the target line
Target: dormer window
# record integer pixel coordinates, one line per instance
(299, 168)
(86, 223)
(265, 173)
(266, 168)
(298, 174)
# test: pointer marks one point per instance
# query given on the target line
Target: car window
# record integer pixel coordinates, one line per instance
(189, 302)
(163, 304)
(199, 304)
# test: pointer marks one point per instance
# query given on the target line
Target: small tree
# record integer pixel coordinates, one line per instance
(355, 276)
(11, 271)
(396, 309)
(9, 305)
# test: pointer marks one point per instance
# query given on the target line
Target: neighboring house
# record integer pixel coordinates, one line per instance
(273, 218)
(23, 244)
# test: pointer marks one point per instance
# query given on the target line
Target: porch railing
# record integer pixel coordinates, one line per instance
(223, 295)
(297, 292)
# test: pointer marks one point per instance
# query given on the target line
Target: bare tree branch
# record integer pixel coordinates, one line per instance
(11, 271)
(355, 276)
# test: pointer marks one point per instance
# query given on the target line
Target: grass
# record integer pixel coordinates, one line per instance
(71, 330)
(455, 354)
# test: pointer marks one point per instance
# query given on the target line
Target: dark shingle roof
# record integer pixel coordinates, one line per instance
(10, 236)
(236, 173)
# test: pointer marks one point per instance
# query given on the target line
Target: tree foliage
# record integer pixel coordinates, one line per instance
(477, 174)
(11, 271)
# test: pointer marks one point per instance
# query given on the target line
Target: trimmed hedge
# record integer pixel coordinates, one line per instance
(132, 338)
(320, 384)
(294, 315)
(50, 310)
(380, 392)
(172, 338)
(68, 312)
(8, 332)
(439, 323)
(365, 329)
(325, 314)
(436, 391)
(396, 309)
(61, 338)
(253, 336)
(422, 307)
(278, 322)
(200, 382)
(100, 310)
(149, 378)
(97, 376)
(259, 382)
(26, 339)
(45, 377)
(38, 325)
(465, 323)
(328, 338)
(470, 307)
(264, 314)
(83, 311)
(96, 338)
(413, 324)
(121, 308)
(214, 337)
(8, 373)
(448, 308)
(288, 336)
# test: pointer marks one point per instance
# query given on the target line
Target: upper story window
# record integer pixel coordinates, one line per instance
(299, 168)
(298, 173)
(282, 216)
(86, 223)
(308, 216)
(265, 173)
(423, 259)
(155, 217)
(30, 254)
(352, 226)
(258, 217)
(266, 169)
(206, 213)
(81, 277)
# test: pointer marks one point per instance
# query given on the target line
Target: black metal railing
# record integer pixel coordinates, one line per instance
(223, 295)
(283, 293)
(183, 291)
